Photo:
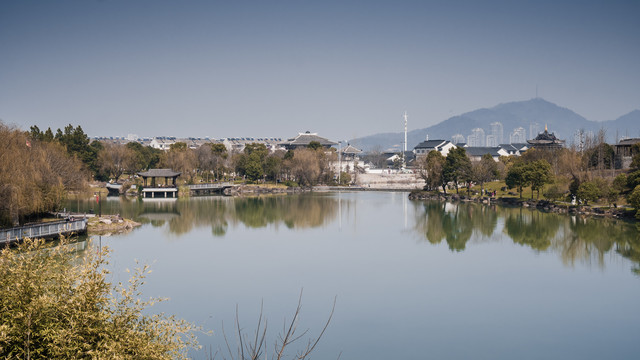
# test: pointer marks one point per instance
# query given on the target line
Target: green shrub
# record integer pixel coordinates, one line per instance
(634, 200)
(56, 304)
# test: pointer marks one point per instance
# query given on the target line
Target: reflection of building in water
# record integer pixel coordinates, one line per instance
(158, 211)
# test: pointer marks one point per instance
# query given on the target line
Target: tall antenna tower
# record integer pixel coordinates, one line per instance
(404, 147)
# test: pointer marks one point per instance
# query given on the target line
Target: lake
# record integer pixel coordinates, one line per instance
(411, 279)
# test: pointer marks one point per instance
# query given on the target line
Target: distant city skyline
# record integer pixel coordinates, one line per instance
(341, 69)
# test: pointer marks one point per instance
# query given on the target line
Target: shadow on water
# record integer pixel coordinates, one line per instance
(575, 239)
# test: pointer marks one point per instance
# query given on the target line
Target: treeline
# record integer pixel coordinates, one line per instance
(305, 166)
(35, 174)
(101, 160)
(212, 162)
(456, 169)
(590, 175)
(38, 168)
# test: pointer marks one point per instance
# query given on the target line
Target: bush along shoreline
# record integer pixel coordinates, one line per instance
(542, 205)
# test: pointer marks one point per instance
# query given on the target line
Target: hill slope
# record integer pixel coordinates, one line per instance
(562, 121)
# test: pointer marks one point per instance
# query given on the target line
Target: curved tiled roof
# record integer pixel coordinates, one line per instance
(159, 173)
(304, 139)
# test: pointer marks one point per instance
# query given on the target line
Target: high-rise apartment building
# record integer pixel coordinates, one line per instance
(457, 139)
(476, 138)
(518, 136)
(497, 131)
(534, 129)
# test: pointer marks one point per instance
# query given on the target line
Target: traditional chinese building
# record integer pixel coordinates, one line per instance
(155, 189)
(546, 141)
(304, 139)
(625, 151)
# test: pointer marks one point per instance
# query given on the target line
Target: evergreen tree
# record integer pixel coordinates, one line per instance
(457, 167)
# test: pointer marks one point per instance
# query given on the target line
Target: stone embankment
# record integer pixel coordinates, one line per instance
(389, 181)
(110, 224)
(542, 205)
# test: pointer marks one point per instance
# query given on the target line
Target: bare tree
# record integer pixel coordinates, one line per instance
(254, 347)
(116, 159)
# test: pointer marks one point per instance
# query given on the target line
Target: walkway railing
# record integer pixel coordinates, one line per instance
(48, 229)
(210, 186)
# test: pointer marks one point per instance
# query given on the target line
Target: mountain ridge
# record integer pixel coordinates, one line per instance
(559, 120)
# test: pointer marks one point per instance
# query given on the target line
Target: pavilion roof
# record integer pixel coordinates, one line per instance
(159, 173)
(304, 139)
(350, 150)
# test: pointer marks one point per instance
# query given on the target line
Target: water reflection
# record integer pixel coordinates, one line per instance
(531, 228)
(183, 215)
(454, 223)
(575, 239)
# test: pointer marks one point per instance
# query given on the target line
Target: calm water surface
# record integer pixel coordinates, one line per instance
(413, 280)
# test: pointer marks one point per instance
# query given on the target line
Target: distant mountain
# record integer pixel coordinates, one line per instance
(626, 125)
(526, 114)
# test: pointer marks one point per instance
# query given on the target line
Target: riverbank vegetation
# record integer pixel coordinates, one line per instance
(35, 175)
(56, 304)
(587, 177)
(39, 169)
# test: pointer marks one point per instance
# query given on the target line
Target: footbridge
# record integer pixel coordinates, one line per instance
(210, 188)
(50, 229)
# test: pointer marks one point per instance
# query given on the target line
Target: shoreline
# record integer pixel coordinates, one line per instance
(541, 205)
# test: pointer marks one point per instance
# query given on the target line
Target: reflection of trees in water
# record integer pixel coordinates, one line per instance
(588, 239)
(630, 247)
(575, 239)
(430, 222)
(531, 227)
(182, 215)
(454, 223)
(295, 211)
(201, 212)
(440, 222)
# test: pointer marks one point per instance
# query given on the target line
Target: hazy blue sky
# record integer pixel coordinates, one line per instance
(340, 68)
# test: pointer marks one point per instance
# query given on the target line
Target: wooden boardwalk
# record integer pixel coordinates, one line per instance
(43, 230)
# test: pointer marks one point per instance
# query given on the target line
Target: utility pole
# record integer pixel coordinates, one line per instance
(404, 147)
(339, 160)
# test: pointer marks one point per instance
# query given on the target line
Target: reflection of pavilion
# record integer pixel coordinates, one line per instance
(159, 210)
(159, 190)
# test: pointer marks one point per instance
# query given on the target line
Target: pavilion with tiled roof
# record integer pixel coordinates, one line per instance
(154, 190)
(304, 139)
(546, 141)
(349, 152)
